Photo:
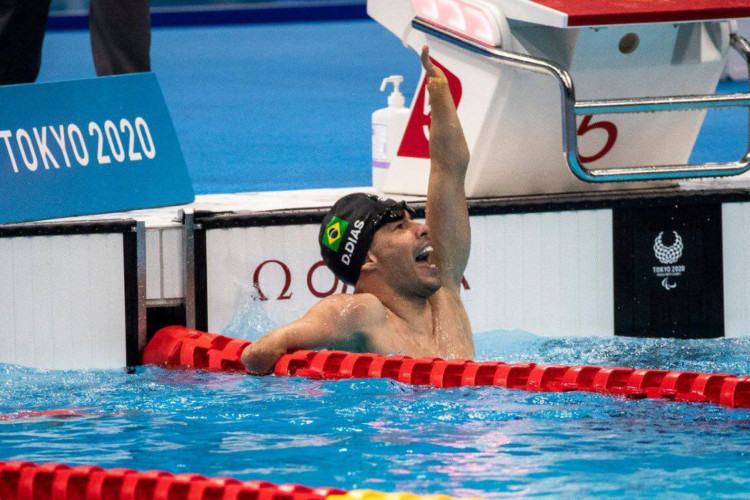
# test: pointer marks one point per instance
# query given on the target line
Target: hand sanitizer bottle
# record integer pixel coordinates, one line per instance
(388, 125)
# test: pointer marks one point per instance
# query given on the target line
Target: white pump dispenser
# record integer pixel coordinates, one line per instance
(388, 125)
(396, 99)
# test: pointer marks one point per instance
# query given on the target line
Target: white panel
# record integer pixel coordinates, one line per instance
(250, 244)
(511, 291)
(98, 313)
(602, 265)
(549, 265)
(173, 261)
(63, 281)
(65, 303)
(81, 323)
(154, 288)
(7, 318)
(223, 267)
(476, 274)
(569, 259)
(485, 271)
(23, 301)
(595, 270)
(547, 273)
(736, 243)
(108, 341)
(42, 277)
(531, 254)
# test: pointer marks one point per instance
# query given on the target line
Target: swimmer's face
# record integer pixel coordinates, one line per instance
(401, 254)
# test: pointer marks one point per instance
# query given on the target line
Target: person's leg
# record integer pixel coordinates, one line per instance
(120, 36)
(22, 24)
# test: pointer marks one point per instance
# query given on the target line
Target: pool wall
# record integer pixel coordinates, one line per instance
(581, 266)
(73, 294)
(644, 264)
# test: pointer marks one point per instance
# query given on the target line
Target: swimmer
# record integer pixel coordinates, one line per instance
(406, 275)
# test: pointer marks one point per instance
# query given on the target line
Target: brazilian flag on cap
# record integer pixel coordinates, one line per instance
(364, 214)
(334, 233)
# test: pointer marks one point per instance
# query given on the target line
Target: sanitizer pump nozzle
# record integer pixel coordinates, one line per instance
(388, 125)
(396, 99)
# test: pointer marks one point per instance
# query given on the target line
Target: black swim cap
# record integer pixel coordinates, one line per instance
(349, 227)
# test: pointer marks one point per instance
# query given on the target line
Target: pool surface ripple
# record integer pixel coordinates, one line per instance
(383, 435)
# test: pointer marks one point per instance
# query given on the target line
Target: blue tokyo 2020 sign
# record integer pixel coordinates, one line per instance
(88, 146)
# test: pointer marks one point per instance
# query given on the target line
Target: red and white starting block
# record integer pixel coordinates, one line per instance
(560, 96)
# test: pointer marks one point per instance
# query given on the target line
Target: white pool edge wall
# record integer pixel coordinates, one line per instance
(74, 294)
(79, 295)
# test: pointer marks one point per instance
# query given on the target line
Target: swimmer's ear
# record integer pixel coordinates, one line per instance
(371, 262)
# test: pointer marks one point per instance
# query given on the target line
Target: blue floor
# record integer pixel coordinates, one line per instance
(287, 106)
(265, 107)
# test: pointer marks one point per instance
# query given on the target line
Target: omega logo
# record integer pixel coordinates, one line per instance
(285, 294)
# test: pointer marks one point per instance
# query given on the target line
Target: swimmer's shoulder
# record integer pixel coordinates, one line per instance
(358, 311)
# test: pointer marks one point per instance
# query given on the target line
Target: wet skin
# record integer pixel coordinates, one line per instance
(414, 313)
(407, 298)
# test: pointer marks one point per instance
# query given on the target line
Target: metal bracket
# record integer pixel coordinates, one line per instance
(571, 109)
(188, 249)
(140, 231)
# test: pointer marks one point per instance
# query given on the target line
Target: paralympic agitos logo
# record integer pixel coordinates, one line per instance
(668, 255)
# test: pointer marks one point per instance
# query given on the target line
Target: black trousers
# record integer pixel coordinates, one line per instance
(120, 37)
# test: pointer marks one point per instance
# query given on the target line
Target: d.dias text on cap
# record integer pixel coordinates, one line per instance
(351, 242)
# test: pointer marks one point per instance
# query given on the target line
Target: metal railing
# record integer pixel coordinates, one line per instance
(571, 109)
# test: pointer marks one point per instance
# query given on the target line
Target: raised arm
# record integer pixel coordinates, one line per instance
(338, 321)
(447, 214)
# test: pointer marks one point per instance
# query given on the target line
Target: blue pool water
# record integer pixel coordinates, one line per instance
(383, 435)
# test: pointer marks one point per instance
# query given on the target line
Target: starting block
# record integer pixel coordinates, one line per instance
(560, 96)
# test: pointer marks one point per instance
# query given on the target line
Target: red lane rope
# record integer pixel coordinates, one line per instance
(28, 481)
(59, 413)
(180, 346)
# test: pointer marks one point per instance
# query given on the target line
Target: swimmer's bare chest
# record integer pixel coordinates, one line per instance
(449, 335)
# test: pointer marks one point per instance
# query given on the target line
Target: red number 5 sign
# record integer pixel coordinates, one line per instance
(608, 127)
(415, 143)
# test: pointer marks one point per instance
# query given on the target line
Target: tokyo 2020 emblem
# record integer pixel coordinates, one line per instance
(668, 255)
